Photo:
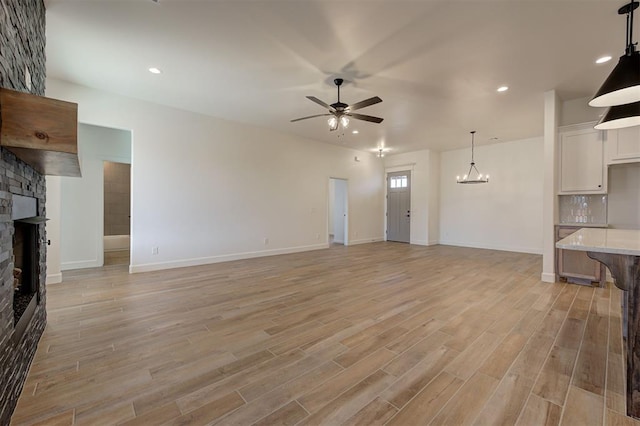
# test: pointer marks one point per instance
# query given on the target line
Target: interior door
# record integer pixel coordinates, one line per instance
(398, 206)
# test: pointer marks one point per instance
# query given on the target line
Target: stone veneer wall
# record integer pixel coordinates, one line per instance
(22, 43)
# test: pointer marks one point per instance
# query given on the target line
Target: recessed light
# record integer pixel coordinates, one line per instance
(355, 132)
(503, 88)
(603, 59)
(154, 70)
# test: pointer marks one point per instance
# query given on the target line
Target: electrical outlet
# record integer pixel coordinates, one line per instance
(317, 236)
(266, 241)
(154, 250)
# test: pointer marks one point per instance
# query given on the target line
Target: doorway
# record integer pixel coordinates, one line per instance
(117, 208)
(82, 199)
(399, 206)
(338, 211)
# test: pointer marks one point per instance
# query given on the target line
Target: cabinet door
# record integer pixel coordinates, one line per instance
(625, 144)
(576, 264)
(582, 161)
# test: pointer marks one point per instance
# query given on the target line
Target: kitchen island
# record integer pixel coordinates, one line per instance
(619, 250)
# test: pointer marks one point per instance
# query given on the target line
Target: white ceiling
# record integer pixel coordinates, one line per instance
(435, 64)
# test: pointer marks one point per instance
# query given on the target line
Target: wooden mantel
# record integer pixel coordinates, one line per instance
(42, 132)
(619, 250)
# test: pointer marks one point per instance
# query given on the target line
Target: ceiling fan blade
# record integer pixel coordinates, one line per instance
(365, 103)
(321, 103)
(311, 116)
(366, 117)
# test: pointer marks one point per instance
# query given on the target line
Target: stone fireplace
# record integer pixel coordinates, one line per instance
(22, 47)
(22, 312)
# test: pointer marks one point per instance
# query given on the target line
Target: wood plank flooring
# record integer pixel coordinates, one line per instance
(382, 333)
(116, 257)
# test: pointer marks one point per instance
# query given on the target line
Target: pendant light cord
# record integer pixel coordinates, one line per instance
(473, 163)
(472, 138)
(631, 47)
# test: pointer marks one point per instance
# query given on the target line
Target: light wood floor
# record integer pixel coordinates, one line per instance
(380, 333)
(116, 257)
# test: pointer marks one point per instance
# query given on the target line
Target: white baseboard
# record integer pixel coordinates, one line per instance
(54, 278)
(365, 241)
(82, 264)
(116, 242)
(182, 263)
(419, 242)
(548, 277)
(433, 242)
(529, 250)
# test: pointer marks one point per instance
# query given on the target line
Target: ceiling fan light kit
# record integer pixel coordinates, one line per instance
(621, 90)
(479, 177)
(340, 113)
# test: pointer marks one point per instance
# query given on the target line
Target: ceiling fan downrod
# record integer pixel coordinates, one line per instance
(338, 82)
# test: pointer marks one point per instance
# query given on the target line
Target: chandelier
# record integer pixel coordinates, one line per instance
(480, 178)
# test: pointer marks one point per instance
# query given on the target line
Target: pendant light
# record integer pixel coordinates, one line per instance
(623, 84)
(479, 177)
(620, 116)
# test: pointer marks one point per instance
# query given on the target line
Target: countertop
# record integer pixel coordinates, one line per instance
(603, 240)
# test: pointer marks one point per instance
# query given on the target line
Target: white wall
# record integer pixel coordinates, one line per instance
(54, 271)
(332, 196)
(434, 198)
(504, 214)
(577, 111)
(549, 169)
(424, 167)
(624, 196)
(207, 190)
(82, 199)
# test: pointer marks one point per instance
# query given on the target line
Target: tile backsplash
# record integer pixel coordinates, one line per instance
(587, 209)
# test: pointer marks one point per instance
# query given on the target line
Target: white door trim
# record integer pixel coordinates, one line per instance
(401, 168)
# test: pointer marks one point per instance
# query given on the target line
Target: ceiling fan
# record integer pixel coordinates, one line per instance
(339, 112)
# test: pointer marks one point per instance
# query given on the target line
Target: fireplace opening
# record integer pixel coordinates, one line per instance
(25, 275)
(25, 257)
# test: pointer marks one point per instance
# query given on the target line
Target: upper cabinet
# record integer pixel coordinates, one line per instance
(42, 132)
(623, 145)
(582, 166)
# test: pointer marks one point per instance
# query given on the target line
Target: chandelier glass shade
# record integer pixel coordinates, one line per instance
(335, 121)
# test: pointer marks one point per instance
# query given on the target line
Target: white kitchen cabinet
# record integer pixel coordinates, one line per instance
(582, 166)
(623, 145)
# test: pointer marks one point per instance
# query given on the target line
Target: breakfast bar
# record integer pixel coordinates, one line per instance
(619, 250)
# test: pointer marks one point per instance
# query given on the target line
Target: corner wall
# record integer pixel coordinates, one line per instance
(504, 214)
(82, 199)
(206, 190)
(424, 166)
